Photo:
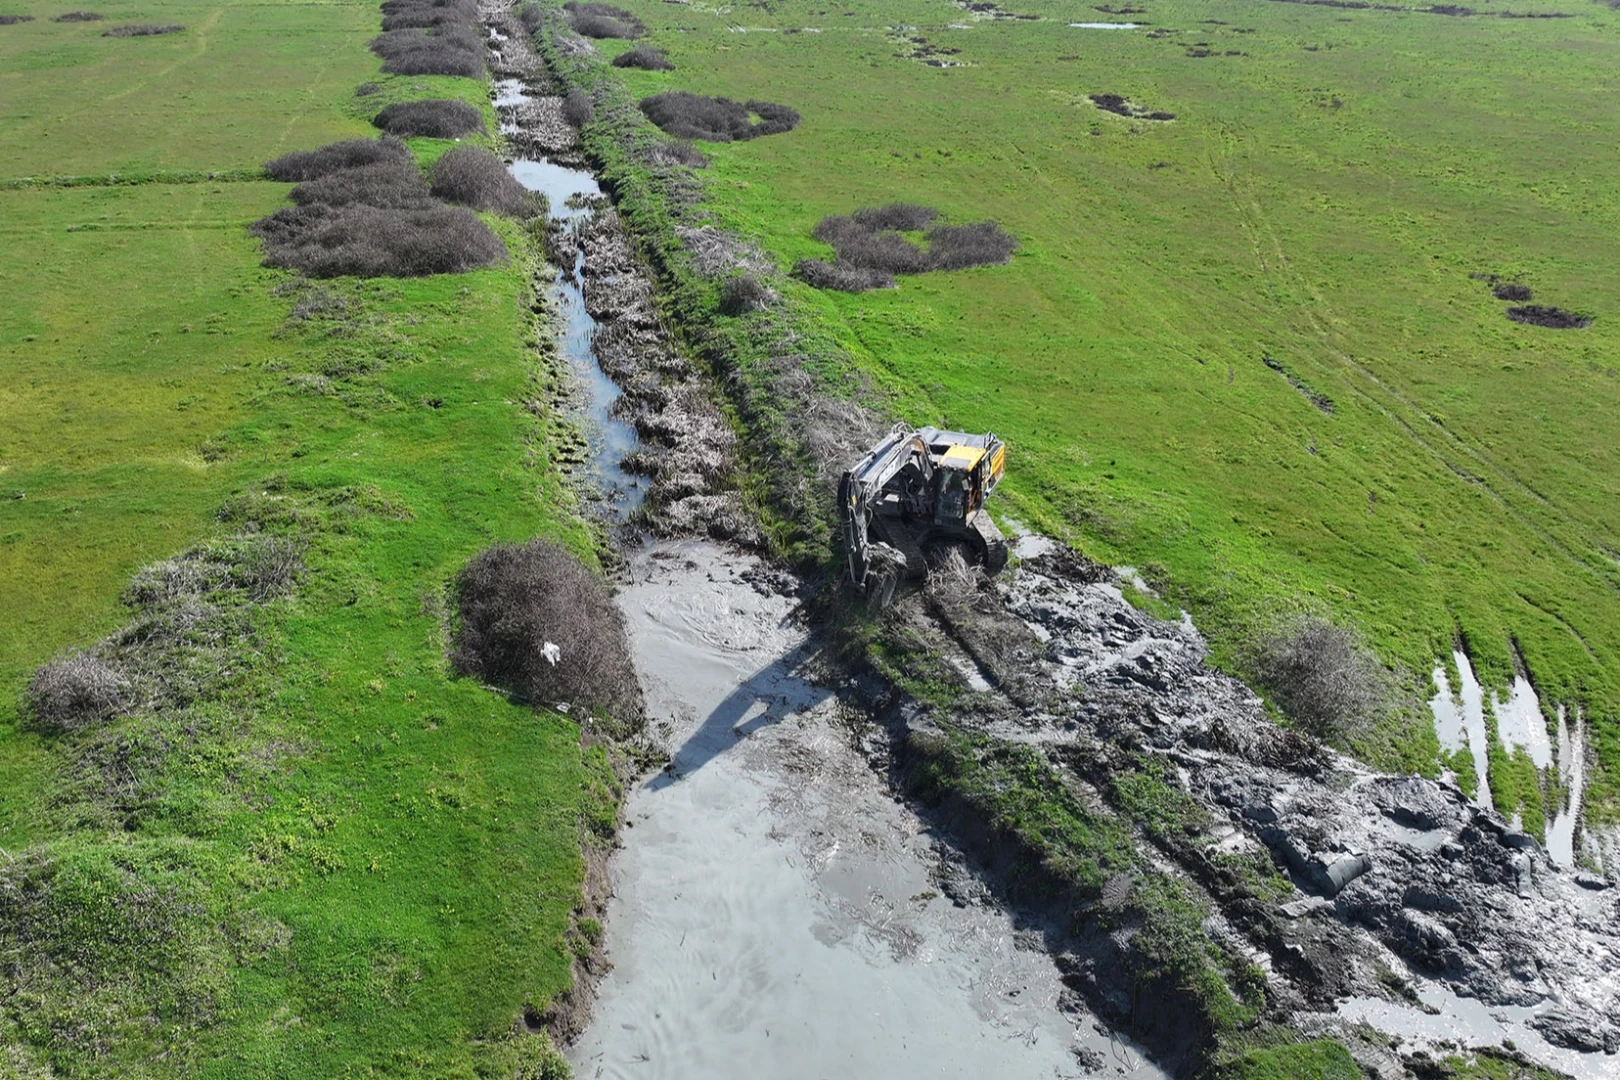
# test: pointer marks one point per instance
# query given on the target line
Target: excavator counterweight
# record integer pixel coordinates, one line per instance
(916, 493)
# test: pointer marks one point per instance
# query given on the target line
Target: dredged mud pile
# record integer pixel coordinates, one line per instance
(1401, 884)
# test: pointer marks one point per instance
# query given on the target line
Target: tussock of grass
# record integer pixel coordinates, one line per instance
(644, 58)
(144, 30)
(515, 600)
(716, 119)
(447, 49)
(474, 177)
(348, 154)
(434, 118)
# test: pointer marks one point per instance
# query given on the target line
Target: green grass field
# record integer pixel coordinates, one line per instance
(372, 864)
(1323, 199)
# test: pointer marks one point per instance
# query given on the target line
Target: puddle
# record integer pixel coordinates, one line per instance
(1471, 1023)
(1459, 720)
(1572, 778)
(1106, 25)
(774, 911)
(1519, 722)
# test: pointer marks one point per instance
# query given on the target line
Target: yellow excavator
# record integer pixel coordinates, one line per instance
(916, 495)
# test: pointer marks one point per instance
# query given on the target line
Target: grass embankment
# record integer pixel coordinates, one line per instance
(338, 860)
(1242, 349)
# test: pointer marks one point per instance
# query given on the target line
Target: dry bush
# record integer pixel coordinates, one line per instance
(1324, 678)
(742, 294)
(825, 275)
(515, 598)
(1553, 318)
(900, 217)
(716, 119)
(388, 184)
(477, 178)
(888, 252)
(400, 14)
(348, 154)
(1512, 290)
(678, 152)
(368, 241)
(955, 247)
(532, 16)
(578, 109)
(143, 30)
(603, 21)
(366, 89)
(449, 49)
(644, 57)
(13, 20)
(80, 16)
(435, 118)
(74, 692)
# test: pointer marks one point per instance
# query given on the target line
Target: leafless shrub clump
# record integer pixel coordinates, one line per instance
(143, 30)
(13, 20)
(1323, 677)
(742, 294)
(514, 600)
(872, 247)
(678, 152)
(716, 119)
(79, 16)
(74, 692)
(388, 184)
(349, 154)
(644, 57)
(401, 14)
(603, 21)
(448, 49)
(477, 178)
(896, 217)
(1512, 290)
(820, 274)
(436, 118)
(366, 89)
(370, 241)
(578, 110)
(1553, 318)
(532, 16)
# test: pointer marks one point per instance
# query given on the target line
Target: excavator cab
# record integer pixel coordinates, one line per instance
(918, 492)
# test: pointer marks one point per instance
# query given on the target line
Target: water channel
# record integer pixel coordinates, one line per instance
(775, 912)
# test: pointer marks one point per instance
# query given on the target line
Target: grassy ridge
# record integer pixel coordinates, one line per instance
(356, 864)
(1419, 464)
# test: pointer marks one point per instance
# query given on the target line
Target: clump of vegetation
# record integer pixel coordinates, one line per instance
(820, 274)
(12, 20)
(476, 178)
(532, 16)
(391, 184)
(370, 241)
(1120, 105)
(534, 619)
(366, 89)
(742, 294)
(74, 692)
(872, 247)
(644, 57)
(1512, 290)
(577, 109)
(716, 119)
(678, 152)
(435, 118)
(447, 49)
(1552, 318)
(79, 16)
(143, 30)
(1324, 678)
(348, 154)
(603, 21)
(402, 14)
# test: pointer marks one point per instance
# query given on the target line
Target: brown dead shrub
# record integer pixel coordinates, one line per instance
(476, 178)
(1325, 679)
(644, 58)
(578, 109)
(348, 154)
(514, 599)
(603, 21)
(79, 16)
(387, 184)
(820, 274)
(143, 30)
(448, 49)
(435, 118)
(74, 692)
(369, 241)
(716, 119)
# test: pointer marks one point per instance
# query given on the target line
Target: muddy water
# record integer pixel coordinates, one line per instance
(775, 912)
